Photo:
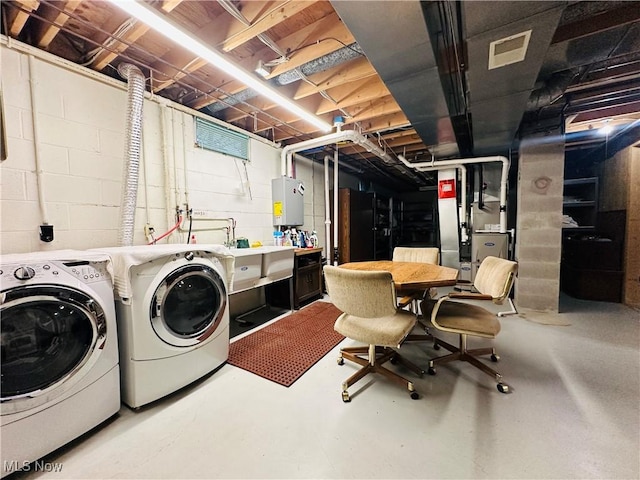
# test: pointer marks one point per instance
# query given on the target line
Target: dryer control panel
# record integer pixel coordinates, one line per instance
(52, 272)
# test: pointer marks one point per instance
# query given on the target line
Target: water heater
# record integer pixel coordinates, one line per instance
(288, 201)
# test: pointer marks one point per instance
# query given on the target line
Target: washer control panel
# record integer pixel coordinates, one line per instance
(51, 272)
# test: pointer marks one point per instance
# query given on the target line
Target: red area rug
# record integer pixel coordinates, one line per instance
(283, 351)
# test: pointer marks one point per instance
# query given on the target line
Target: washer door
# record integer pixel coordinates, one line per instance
(188, 305)
(51, 336)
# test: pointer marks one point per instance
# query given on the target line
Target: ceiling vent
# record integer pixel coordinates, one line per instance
(508, 50)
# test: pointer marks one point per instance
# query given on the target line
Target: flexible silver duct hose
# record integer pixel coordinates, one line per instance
(133, 136)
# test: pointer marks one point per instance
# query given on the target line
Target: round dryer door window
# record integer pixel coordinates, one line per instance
(188, 306)
(50, 335)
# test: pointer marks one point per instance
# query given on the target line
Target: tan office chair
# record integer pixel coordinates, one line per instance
(493, 283)
(416, 254)
(412, 298)
(368, 300)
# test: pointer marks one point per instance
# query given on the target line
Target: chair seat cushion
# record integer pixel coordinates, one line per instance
(458, 317)
(384, 331)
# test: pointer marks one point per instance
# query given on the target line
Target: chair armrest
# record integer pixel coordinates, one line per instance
(404, 301)
(470, 296)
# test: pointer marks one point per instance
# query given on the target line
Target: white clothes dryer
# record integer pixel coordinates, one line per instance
(60, 373)
(173, 316)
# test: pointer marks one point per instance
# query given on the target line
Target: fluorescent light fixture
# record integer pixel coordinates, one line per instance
(147, 15)
(262, 69)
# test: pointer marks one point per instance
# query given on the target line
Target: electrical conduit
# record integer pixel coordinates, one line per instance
(36, 142)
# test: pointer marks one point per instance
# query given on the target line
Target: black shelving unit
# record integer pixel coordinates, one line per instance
(382, 227)
(419, 220)
(580, 202)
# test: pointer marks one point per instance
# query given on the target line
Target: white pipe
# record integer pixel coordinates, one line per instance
(460, 161)
(464, 236)
(174, 138)
(327, 208)
(36, 143)
(169, 206)
(335, 204)
(344, 135)
(184, 162)
(145, 176)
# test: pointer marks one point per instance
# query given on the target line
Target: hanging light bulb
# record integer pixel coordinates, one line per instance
(606, 129)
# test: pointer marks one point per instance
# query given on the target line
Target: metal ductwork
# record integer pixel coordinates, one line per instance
(394, 37)
(498, 97)
(321, 64)
(133, 137)
(551, 91)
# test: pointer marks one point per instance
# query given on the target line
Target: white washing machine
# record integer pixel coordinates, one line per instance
(60, 375)
(173, 316)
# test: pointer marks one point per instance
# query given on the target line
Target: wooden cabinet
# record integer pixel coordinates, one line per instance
(307, 275)
(307, 280)
(355, 226)
(580, 204)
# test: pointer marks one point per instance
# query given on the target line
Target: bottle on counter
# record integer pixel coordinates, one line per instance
(314, 239)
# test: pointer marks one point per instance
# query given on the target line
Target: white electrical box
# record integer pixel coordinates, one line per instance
(288, 201)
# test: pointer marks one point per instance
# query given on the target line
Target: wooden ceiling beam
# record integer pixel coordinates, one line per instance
(221, 33)
(353, 93)
(278, 14)
(347, 72)
(55, 19)
(395, 120)
(313, 41)
(313, 33)
(374, 108)
(21, 17)
(138, 31)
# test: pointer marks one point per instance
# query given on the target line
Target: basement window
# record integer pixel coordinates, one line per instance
(216, 138)
(508, 50)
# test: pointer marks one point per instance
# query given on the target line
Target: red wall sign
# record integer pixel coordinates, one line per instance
(447, 188)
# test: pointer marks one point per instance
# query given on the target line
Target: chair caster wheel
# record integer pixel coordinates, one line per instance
(436, 346)
(340, 361)
(415, 396)
(503, 388)
(494, 357)
(431, 371)
(345, 397)
(393, 360)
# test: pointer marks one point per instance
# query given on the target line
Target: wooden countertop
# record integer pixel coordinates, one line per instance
(305, 251)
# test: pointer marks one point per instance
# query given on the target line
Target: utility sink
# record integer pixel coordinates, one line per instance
(262, 265)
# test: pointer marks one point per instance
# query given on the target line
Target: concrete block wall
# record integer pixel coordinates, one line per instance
(80, 123)
(539, 222)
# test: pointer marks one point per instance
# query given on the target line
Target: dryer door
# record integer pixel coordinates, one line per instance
(51, 337)
(188, 305)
